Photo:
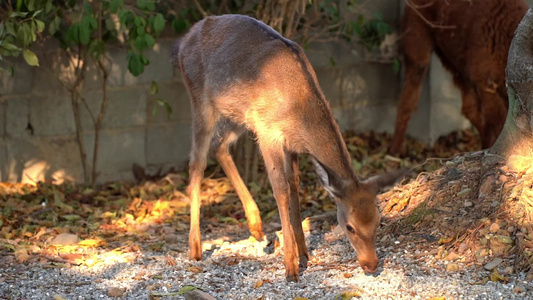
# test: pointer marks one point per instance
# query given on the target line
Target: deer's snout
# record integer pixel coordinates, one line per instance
(370, 264)
(370, 268)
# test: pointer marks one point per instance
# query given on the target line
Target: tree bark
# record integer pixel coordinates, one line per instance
(516, 137)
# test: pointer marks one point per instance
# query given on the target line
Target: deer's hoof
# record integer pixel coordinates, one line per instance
(196, 253)
(302, 265)
(257, 232)
(292, 278)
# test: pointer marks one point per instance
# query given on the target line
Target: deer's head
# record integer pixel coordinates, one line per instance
(357, 211)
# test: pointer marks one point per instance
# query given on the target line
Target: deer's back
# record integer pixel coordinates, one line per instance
(478, 41)
(253, 76)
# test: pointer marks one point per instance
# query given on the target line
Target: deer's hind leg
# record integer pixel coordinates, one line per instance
(417, 48)
(228, 133)
(203, 127)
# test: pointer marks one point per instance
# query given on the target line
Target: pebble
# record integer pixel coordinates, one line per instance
(452, 267)
(494, 227)
(115, 292)
(198, 295)
(492, 264)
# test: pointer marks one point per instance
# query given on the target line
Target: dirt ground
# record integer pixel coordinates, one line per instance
(467, 208)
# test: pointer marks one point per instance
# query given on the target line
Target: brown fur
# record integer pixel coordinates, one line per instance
(241, 74)
(474, 51)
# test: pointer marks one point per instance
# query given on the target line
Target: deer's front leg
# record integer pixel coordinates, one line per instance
(294, 208)
(275, 162)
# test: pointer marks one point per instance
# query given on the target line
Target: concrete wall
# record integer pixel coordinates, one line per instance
(37, 129)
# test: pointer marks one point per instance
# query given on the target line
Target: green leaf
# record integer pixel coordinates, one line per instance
(48, 6)
(9, 46)
(30, 4)
(113, 6)
(16, 14)
(39, 24)
(30, 57)
(54, 25)
(180, 25)
(140, 42)
(186, 289)
(85, 30)
(142, 4)
(159, 24)
(10, 28)
(154, 88)
(150, 42)
(35, 14)
(144, 60)
(73, 33)
(396, 66)
(135, 64)
(24, 34)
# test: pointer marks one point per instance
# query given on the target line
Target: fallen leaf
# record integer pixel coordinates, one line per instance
(495, 276)
(21, 254)
(170, 260)
(445, 240)
(347, 295)
(195, 270)
(91, 242)
(258, 284)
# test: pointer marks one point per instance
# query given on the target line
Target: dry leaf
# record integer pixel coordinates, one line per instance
(170, 260)
(445, 240)
(258, 284)
(347, 295)
(91, 242)
(495, 276)
(195, 270)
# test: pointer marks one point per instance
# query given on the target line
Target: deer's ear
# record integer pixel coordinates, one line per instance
(329, 180)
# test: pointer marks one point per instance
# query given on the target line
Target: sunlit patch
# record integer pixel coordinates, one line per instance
(34, 171)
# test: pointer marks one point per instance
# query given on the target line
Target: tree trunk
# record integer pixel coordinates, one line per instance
(516, 137)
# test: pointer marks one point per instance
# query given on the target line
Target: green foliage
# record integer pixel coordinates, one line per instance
(82, 26)
(372, 32)
(20, 27)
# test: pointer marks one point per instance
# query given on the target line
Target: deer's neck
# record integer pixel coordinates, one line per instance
(329, 149)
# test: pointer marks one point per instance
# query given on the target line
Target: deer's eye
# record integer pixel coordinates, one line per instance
(350, 229)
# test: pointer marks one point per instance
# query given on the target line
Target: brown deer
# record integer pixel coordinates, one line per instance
(472, 39)
(241, 74)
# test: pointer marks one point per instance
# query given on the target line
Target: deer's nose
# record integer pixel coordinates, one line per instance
(370, 268)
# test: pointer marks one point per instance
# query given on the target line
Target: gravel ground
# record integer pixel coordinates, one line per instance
(246, 269)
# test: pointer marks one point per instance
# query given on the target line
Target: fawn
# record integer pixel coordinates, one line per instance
(243, 75)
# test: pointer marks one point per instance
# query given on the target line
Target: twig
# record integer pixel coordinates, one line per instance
(202, 11)
(431, 24)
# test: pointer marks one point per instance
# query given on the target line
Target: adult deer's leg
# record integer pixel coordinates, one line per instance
(418, 46)
(276, 160)
(203, 127)
(228, 134)
(294, 208)
(494, 114)
(471, 107)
